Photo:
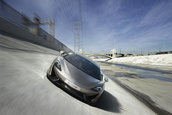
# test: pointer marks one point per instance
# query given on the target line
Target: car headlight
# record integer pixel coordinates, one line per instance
(98, 89)
(58, 65)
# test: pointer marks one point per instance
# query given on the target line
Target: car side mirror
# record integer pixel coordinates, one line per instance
(63, 53)
(106, 79)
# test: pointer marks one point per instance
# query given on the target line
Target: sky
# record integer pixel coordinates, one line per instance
(127, 25)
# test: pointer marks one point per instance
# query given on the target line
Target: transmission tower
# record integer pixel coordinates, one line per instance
(78, 31)
(77, 35)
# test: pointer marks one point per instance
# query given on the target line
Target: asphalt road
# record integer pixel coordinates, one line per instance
(25, 89)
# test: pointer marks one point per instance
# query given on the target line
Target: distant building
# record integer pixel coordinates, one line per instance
(129, 55)
(164, 52)
(119, 55)
(109, 54)
(139, 54)
(113, 52)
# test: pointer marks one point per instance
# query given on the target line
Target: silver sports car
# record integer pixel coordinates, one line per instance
(80, 75)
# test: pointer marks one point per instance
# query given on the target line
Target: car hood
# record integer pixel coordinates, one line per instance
(79, 77)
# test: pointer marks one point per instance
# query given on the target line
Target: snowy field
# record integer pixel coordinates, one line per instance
(163, 59)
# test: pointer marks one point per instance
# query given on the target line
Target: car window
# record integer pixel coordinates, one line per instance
(84, 65)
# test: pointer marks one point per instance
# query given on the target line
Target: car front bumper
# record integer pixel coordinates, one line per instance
(87, 94)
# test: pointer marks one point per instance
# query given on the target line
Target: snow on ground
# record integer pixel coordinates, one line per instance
(98, 57)
(163, 59)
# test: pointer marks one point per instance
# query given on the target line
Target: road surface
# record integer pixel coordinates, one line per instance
(25, 89)
(151, 85)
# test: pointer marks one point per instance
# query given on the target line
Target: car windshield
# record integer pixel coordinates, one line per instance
(84, 64)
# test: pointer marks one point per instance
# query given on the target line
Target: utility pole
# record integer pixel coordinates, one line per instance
(141, 51)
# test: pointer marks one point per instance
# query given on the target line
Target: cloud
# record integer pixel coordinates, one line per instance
(159, 13)
(152, 31)
(132, 24)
